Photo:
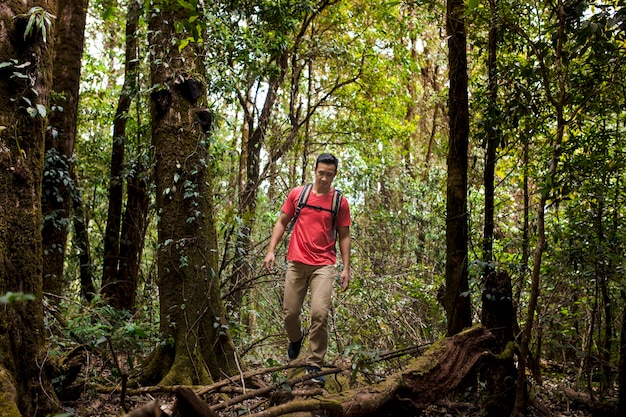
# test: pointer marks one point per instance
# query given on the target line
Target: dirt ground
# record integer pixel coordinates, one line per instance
(549, 398)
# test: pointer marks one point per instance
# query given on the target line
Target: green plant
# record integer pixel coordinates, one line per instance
(39, 20)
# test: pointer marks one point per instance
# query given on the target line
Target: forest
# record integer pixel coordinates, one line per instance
(146, 149)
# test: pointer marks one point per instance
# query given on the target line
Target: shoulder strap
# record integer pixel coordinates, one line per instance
(334, 209)
(336, 204)
(304, 196)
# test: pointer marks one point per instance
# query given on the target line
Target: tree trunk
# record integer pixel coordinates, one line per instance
(22, 137)
(131, 243)
(58, 186)
(621, 407)
(497, 316)
(114, 284)
(193, 318)
(456, 298)
(492, 132)
(81, 243)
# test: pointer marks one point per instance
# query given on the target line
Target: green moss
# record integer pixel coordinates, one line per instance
(507, 353)
(8, 395)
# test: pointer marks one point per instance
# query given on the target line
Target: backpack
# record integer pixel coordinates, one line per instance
(304, 196)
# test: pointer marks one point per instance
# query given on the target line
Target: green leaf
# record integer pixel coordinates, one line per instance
(15, 297)
(42, 110)
(186, 5)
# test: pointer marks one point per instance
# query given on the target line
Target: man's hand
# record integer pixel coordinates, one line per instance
(344, 280)
(269, 261)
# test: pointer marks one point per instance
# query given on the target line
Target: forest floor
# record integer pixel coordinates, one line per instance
(550, 400)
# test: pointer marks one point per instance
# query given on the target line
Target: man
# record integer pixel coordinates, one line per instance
(311, 260)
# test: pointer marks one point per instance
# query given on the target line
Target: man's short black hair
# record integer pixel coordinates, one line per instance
(327, 158)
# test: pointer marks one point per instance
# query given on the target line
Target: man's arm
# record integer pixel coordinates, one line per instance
(345, 243)
(277, 234)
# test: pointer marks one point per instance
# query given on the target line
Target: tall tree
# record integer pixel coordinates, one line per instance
(58, 186)
(26, 40)
(123, 237)
(193, 322)
(456, 298)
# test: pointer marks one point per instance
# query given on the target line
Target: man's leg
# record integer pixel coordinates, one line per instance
(321, 282)
(296, 285)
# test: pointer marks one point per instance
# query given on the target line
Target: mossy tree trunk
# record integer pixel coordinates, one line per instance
(456, 298)
(192, 313)
(58, 186)
(23, 119)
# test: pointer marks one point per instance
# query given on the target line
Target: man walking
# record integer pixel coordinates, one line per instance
(311, 259)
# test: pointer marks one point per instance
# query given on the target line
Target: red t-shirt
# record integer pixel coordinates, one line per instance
(311, 242)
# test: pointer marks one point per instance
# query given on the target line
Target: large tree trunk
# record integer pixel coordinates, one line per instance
(115, 286)
(22, 137)
(192, 314)
(58, 186)
(456, 298)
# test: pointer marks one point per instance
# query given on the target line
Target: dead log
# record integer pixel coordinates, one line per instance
(426, 380)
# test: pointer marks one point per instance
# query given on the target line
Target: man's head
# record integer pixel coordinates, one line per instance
(327, 158)
(325, 170)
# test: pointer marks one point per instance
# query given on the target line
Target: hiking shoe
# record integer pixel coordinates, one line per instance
(319, 379)
(294, 348)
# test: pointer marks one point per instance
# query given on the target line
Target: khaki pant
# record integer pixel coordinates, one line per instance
(298, 279)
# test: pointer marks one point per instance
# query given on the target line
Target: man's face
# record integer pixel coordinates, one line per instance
(325, 173)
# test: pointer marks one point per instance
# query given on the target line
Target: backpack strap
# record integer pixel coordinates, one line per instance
(304, 196)
(334, 209)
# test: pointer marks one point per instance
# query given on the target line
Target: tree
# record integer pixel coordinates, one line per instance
(456, 299)
(26, 39)
(197, 342)
(59, 189)
(123, 247)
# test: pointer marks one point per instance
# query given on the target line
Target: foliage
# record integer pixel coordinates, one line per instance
(124, 338)
(39, 21)
(15, 297)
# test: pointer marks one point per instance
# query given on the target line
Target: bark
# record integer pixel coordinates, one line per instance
(198, 343)
(81, 243)
(456, 298)
(22, 137)
(115, 285)
(60, 138)
(497, 316)
(131, 243)
(621, 407)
